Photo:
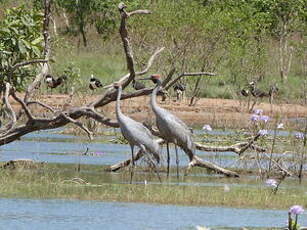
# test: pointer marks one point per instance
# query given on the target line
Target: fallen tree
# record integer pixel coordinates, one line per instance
(59, 117)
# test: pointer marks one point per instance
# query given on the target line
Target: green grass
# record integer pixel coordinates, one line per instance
(56, 181)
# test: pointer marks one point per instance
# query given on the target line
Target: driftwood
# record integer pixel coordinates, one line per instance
(238, 148)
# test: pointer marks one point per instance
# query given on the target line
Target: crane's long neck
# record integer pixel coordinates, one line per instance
(118, 110)
(153, 100)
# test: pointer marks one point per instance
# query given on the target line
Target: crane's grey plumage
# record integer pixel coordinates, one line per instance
(172, 129)
(136, 133)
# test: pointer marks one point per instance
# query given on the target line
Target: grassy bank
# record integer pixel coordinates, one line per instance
(61, 181)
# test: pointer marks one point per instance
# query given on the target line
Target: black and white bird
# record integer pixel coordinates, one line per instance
(138, 85)
(257, 92)
(244, 92)
(52, 82)
(179, 88)
(94, 83)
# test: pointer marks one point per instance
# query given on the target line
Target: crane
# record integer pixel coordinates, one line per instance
(136, 133)
(171, 128)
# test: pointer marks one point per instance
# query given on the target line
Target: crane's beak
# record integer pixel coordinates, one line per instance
(147, 78)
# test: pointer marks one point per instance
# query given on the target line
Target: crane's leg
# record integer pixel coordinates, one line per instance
(177, 162)
(133, 164)
(168, 158)
(152, 162)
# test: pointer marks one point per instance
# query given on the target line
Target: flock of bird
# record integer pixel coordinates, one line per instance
(171, 128)
(95, 83)
(252, 90)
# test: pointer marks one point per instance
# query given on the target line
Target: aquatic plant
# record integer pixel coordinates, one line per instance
(299, 135)
(271, 183)
(264, 118)
(295, 210)
(258, 111)
(263, 132)
(254, 117)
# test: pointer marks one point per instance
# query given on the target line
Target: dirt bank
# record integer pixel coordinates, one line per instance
(220, 113)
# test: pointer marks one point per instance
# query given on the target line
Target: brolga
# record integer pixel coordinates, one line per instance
(172, 129)
(136, 134)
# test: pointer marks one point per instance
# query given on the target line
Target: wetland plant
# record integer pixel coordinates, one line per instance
(295, 211)
(272, 183)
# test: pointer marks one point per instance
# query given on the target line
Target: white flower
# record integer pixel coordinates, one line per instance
(207, 128)
(263, 132)
(280, 126)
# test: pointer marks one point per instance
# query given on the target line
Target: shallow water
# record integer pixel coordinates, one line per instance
(29, 214)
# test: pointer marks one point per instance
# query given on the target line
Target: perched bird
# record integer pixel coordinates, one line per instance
(136, 133)
(138, 85)
(94, 83)
(52, 82)
(172, 129)
(179, 88)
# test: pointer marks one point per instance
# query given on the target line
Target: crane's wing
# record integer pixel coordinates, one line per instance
(172, 118)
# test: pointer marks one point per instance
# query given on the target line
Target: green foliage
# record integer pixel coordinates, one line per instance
(20, 40)
(90, 12)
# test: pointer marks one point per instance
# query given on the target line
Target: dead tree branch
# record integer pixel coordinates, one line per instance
(9, 108)
(42, 105)
(24, 106)
(187, 75)
(79, 124)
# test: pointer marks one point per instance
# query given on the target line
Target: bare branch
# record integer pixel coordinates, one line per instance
(238, 148)
(197, 161)
(9, 108)
(98, 117)
(144, 71)
(21, 64)
(41, 104)
(278, 165)
(188, 75)
(139, 12)
(23, 105)
(79, 124)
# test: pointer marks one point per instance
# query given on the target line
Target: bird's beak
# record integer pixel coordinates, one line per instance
(147, 78)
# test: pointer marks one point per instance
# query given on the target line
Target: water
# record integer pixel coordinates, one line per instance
(59, 148)
(29, 214)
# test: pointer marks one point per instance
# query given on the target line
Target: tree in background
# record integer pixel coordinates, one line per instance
(20, 40)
